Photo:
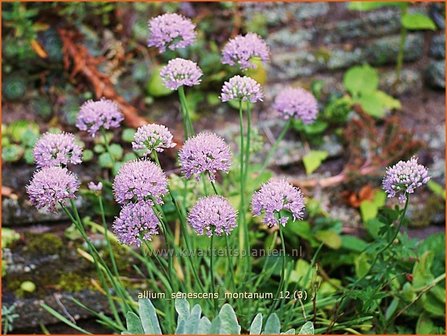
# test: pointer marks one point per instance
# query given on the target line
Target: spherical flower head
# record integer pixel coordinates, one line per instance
(205, 153)
(95, 187)
(95, 115)
(51, 186)
(179, 72)
(404, 178)
(152, 137)
(57, 149)
(212, 215)
(242, 49)
(243, 89)
(297, 103)
(171, 31)
(140, 180)
(136, 222)
(275, 196)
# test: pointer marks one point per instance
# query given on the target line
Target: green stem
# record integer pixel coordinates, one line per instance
(400, 55)
(275, 146)
(106, 236)
(106, 143)
(212, 269)
(189, 130)
(246, 166)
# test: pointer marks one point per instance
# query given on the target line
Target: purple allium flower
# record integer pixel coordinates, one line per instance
(205, 153)
(152, 137)
(404, 177)
(242, 49)
(95, 187)
(297, 103)
(171, 31)
(51, 186)
(57, 149)
(274, 196)
(136, 222)
(140, 180)
(179, 72)
(96, 114)
(212, 215)
(241, 88)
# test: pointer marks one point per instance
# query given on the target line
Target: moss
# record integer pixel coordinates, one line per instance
(123, 258)
(73, 282)
(46, 243)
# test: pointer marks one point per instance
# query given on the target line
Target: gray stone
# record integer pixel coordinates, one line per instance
(340, 59)
(374, 24)
(437, 47)
(410, 81)
(435, 74)
(293, 64)
(288, 39)
(385, 50)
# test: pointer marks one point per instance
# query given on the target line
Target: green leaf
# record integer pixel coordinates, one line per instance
(28, 156)
(353, 243)
(361, 264)
(361, 79)
(18, 128)
(12, 153)
(258, 73)
(366, 6)
(272, 326)
(228, 319)
(98, 148)
(116, 151)
(436, 188)
(182, 308)
(192, 324)
(329, 238)
(148, 317)
(373, 227)
(128, 134)
(417, 21)
(368, 210)
(388, 102)
(256, 325)
(87, 155)
(289, 332)
(392, 308)
(105, 161)
(433, 306)
(372, 104)
(307, 329)
(62, 318)
(215, 326)
(313, 160)
(425, 325)
(129, 157)
(134, 326)
(235, 104)
(155, 86)
(204, 326)
(422, 275)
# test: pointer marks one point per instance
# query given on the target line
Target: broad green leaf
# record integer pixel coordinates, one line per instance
(329, 238)
(182, 308)
(361, 79)
(192, 324)
(300, 228)
(425, 325)
(134, 326)
(116, 151)
(105, 161)
(417, 21)
(87, 155)
(228, 320)
(12, 153)
(307, 329)
(353, 243)
(388, 102)
(432, 305)
(436, 188)
(392, 308)
(368, 210)
(422, 275)
(155, 86)
(371, 5)
(148, 317)
(128, 135)
(373, 227)
(204, 326)
(289, 332)
(361, 264)
(258, 73)
(372, 104)
(408, 292)
(439, 293)
(256, 325)
(215, 326)
(18, 128)
(313, 160)
(272, 326)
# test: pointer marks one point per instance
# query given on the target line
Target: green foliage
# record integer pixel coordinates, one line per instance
(155, 86)
(417, 21)
(313, 160)
(371, 5)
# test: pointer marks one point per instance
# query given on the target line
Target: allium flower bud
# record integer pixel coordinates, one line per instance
(205, 153)
(275, 196)
(140, 180)
(136, 222)
(51, 186)
(171, 31)
(152, 137)
(241, 88)
(95, 187)
(96, 114)
(297, 103)
(404, 178)
(242, 49)
(179, 72)
(212, 215)
(57, 149)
